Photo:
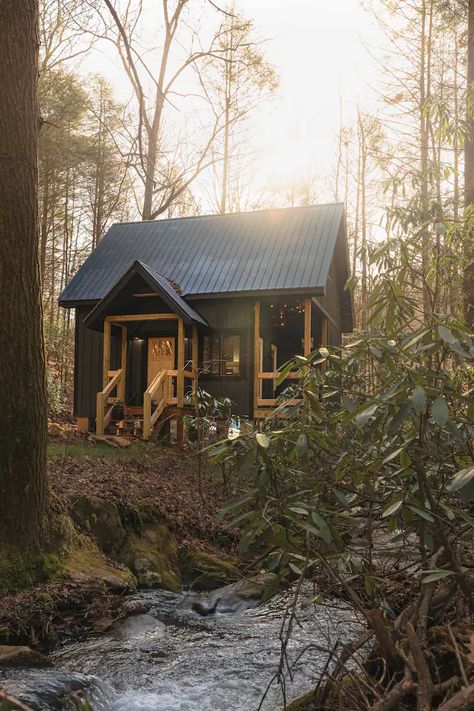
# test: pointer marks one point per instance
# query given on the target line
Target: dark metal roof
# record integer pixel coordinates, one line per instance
(156, 282)
(267, 250)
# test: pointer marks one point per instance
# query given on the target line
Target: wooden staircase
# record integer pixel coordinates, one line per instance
(158, 397)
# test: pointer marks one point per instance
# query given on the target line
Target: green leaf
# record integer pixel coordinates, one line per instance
(263, 440)
(284, 372)
(433, 575)
(463, 484)
(298, 510)
(393, 508)
(363, 417)
(295, 569)
(348, 403)
(446, 334)
(326, 534)
(341, 497)
(246, 461)
(398, 419)
(393, 454)
(235, 503)
(418, 398)
(421, 512)
(239, 519)
(440, 412)
(301, 445)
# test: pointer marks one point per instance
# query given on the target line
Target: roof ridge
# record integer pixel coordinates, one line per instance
(230, 214)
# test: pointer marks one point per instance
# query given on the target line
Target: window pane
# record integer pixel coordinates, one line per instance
(211, 354)
(231, 355)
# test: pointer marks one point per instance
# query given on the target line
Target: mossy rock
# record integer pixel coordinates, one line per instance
(87, 565)
(152, 556)
(101, 519)
(207, 571)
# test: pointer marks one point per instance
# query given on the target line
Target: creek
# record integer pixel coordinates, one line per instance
(174, 659)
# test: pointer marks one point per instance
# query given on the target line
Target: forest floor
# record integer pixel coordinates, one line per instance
(142, 476)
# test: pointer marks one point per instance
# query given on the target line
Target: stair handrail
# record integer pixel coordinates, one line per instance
(160, 381)
(102, 417)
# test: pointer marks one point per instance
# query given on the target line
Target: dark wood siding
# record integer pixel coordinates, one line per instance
(88, 364)
(231, 316)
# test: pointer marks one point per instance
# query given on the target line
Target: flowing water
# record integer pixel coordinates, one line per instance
(173, 659)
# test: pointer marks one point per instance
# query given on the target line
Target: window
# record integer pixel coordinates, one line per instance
(221, 354)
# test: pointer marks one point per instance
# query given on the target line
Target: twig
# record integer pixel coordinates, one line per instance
(458, 656)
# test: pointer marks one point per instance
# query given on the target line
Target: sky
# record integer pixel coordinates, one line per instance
(319, 51)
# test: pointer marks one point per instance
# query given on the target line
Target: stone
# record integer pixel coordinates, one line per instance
(207, 571)
(135, 607)
(138, 626)
(22, 657)
(101, 519)
(238, 596)
(152, 556)
(82, 567)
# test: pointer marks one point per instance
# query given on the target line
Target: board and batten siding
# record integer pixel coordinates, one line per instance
(88, 364)
(230, 316)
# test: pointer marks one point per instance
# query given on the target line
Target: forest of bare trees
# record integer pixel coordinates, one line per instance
(103, 159)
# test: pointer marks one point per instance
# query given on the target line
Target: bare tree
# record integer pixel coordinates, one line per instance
(166, 170)
(236, 79)
(61, 32)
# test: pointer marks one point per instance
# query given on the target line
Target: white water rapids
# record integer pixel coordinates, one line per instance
(172, 659)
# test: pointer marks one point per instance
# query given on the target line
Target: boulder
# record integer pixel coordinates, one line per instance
(152, 556)
(206, 571)
(22, 657)
(238, 596)
(83, 566)
(101, 519)
(138, 626)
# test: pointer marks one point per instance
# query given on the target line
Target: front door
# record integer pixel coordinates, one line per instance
(160, 356)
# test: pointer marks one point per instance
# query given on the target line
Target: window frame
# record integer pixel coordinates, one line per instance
(240, 333)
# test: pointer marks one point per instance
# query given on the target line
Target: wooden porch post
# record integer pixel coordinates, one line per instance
(123, 365)
(195, 356)
(325, 332)
(307, 327)
(256, 354)
(106, 353)
(180, 378)
(324, 339)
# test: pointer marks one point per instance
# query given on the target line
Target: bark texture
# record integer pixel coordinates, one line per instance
(23, 430)
(469, 170)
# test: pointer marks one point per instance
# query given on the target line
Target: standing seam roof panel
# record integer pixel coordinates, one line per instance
(288, 248)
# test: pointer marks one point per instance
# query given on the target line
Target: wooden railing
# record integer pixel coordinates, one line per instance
(271, 402)
(161, 392)
(103, 399)
(158, 392)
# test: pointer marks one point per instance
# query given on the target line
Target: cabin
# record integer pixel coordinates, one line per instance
(215, 301)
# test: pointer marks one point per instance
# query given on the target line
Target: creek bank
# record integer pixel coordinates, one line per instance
(141, 540)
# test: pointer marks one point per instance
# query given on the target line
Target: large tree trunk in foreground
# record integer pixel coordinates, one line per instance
(469, 172)
(23, 427)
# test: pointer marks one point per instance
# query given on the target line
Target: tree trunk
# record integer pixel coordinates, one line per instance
(469, 171)
(22, 378)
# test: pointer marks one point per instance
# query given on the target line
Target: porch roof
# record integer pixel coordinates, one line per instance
(158, 284)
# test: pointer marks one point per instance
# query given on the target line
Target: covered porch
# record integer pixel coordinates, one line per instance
(283, 328)
(149, 349)
(169, 374)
